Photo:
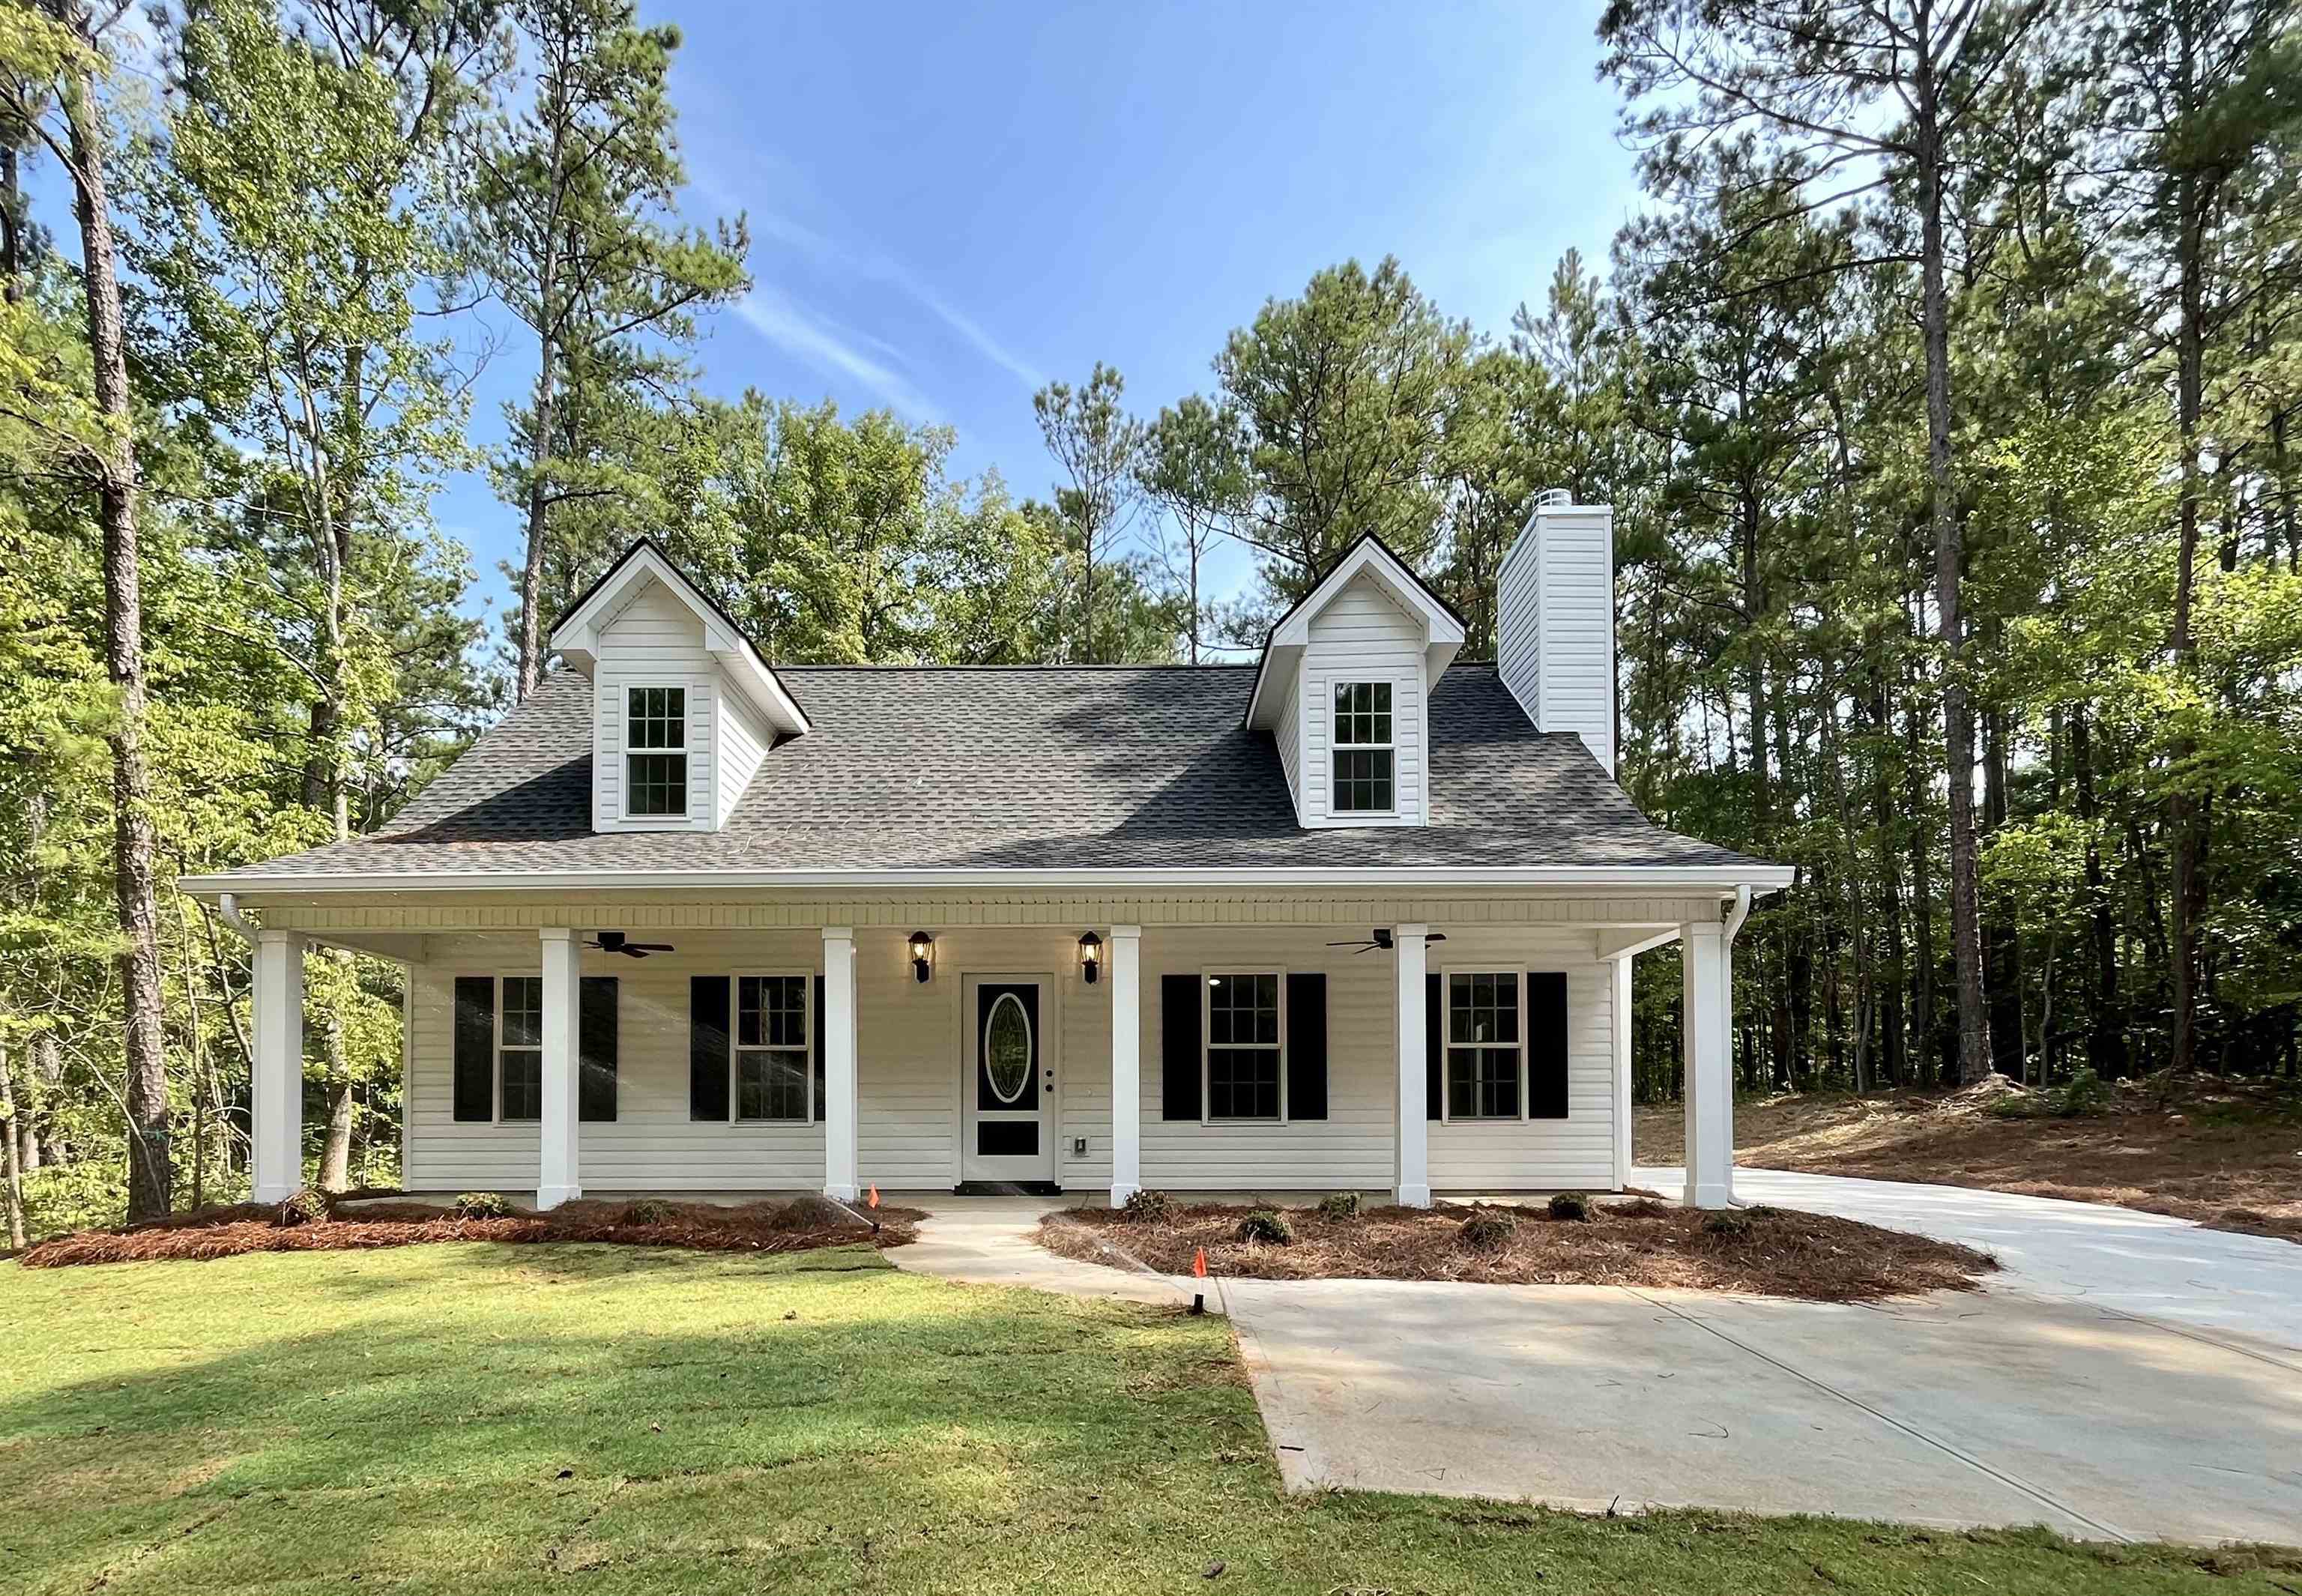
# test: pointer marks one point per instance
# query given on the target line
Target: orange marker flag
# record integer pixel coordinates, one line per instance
(1199, 1263)
(873, 1200)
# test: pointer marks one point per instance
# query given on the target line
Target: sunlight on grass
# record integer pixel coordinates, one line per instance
(473, 1418)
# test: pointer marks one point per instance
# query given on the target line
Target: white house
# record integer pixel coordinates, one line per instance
(1357, 916)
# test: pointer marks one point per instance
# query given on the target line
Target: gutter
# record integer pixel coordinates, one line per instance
(1742, 879)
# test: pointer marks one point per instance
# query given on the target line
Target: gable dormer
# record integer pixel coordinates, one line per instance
(684, 706)
(1343, 689)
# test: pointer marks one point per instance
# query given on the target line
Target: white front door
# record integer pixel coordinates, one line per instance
(1008, 1106)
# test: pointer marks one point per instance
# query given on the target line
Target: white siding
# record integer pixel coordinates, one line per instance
(655, 642)
(1555, 625)
(1362, 635)
(1289, 736)
(741, 742)
(910, 1068)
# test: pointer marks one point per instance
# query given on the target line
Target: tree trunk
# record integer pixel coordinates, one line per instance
(150, 1171)
(1925, 1057)
(2184, 825)
(2105, 1029)
(2002, 965)
(1973, 1053)
(11, 1170)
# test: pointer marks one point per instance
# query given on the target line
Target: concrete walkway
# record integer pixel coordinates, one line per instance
(2118, 1259)
(988, 1241)
(2054, 1397)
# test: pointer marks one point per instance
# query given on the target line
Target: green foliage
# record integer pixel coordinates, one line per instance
(1148, 1205)
(1340, 1205)
(1486, 1230)
(304, 1207)
(1267, 1224)
(482, 1205)
(1726, 1222)
(1569, 1204)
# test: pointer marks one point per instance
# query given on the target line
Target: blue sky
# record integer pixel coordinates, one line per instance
(950, 205)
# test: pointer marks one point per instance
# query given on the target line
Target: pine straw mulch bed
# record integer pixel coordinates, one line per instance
(1777, 1252)
(796, 1225)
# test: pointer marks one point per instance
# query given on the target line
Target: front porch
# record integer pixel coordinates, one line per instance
(1484, 1049)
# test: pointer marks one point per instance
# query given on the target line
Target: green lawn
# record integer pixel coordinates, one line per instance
(478, 1419)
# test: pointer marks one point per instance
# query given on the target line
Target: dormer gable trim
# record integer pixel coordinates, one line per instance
(575, 635)
(1443, 629)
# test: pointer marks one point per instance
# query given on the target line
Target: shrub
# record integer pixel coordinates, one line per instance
(483, 1205)
(1725, 1221)
(1267, 1224)
(650, 1211)
(1570, 1204)
(2082, 1094)
(809, 1212)
(1146, 1207)
(1642, 1208)
(1340, 1205)
(1486, 1230)
(302, 1207)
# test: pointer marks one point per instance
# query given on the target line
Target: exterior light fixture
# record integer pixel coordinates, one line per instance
(1090, 956)
(922, 956)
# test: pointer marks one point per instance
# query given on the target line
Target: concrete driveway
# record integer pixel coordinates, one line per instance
(2128, 1377)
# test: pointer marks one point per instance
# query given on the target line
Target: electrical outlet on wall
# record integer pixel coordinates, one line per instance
(1078, 1146)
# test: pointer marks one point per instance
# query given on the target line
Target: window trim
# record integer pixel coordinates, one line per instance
(686, 816)
(1446, 1045)
(496, 1074)
(1207, 977)
(1336, 746)
(736, 1050)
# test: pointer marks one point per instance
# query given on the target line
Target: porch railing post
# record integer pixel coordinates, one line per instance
(839, 1170)
(1126, 1062)
(559, 1178)
(277, 1100)
(1413, 1186)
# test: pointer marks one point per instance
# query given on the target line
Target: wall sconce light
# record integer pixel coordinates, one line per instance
(1090, 956)
(922, 955)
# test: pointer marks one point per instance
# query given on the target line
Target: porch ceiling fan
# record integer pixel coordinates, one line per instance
(1379, 937)
(613, 942)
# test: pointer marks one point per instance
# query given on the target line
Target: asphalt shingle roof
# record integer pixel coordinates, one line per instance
(924, 768)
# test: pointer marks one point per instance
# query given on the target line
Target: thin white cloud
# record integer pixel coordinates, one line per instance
(896, 275)
(822, 344)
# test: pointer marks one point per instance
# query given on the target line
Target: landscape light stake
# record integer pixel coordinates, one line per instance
(1198, 1272)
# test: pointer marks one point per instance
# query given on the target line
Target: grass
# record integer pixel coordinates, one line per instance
(475, 1418)
(2224, 1153)
(1770, 1252)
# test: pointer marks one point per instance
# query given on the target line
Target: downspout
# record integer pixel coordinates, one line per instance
(228, 911)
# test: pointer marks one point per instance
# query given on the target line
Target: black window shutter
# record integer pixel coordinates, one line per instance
(475, 1048)
(1179, 1051)
(707, 1047)
(1307, 1046)
(1435, 1047)
(816, 1031)
(1546, 1044)
(596, 1047)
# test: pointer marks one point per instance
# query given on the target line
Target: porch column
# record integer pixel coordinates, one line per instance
(839, 1064)
(1413, 1186)
(557, 1178)
(1710, 1084)
(276, 1106)
(1126, 1062)
(1622, 1035)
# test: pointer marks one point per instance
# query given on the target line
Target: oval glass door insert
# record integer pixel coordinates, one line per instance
(1007, 1048)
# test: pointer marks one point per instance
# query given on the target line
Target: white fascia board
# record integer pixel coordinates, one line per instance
(577, 637)
(1637, 879)
(1442, 634)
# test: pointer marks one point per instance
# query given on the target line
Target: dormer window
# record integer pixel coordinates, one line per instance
(1365, 757)
(655, 752)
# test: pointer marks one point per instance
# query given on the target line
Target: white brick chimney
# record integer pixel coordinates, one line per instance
(1555, 620)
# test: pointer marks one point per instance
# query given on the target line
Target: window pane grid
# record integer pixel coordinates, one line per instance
(771, 1083)
(657, 717)
(1363, 714)
(1363, 780)
(1243, 1046)
(1362, 757)
(1483, 1052)
(772, 1055)
(519, 1054)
